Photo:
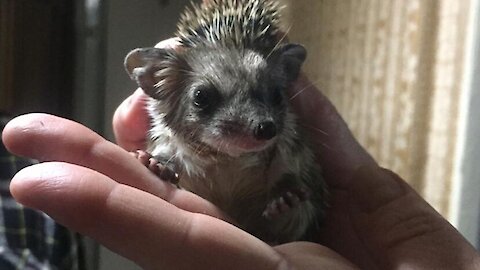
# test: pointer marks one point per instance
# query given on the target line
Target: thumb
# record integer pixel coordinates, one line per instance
(400, 229)
(130, 122)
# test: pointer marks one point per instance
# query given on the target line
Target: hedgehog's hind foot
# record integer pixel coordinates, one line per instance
(284, 203)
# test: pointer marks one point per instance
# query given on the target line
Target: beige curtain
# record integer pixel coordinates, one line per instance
(393, 68)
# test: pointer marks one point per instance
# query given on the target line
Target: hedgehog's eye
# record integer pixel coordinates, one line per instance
(204, 98)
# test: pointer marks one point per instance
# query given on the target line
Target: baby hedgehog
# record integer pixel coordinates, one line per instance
(221, 119)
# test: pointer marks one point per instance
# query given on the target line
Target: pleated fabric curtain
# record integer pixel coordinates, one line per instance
(394, 70)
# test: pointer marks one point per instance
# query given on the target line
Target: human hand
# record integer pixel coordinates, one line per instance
(376, 219)
(96, 188)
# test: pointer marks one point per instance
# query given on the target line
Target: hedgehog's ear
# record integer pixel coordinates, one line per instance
(292, 57)
(143, 64)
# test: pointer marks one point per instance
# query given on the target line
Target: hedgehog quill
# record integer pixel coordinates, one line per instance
(222, 123)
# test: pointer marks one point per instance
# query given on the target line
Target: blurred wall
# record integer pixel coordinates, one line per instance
(395, 71)
(132, 24)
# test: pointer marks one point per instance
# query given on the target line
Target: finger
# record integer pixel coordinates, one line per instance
(306, 255)
(338, 151)
(171, 43)
(50, 138)
(138, 225)
(130, 122)
(400, 229)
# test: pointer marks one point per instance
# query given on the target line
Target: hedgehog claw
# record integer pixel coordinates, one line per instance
(160, 170)
(284, 203)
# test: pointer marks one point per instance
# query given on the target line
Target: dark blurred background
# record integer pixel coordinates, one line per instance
(65, 57)
(37, 56)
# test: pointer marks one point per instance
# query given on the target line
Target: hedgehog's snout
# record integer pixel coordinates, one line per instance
(265, 130)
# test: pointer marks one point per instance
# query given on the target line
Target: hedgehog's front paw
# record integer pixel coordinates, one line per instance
(162, 171)
(285, 203)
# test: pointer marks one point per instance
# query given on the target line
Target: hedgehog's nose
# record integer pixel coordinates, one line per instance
(265, 130)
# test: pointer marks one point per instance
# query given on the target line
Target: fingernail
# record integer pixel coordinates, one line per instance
(172, 43)
(373, 187)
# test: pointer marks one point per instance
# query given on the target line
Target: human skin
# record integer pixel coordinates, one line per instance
(376, 221)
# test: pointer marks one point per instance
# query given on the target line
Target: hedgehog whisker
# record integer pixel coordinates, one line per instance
(171, 158)
(197, 149)
(279, 42)
(299, 92)
(219, 147)
(320, 142)
(205, 146)
(326, 146)
(316, 129)
(303, 89)
(200, 148)
(192, 133)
